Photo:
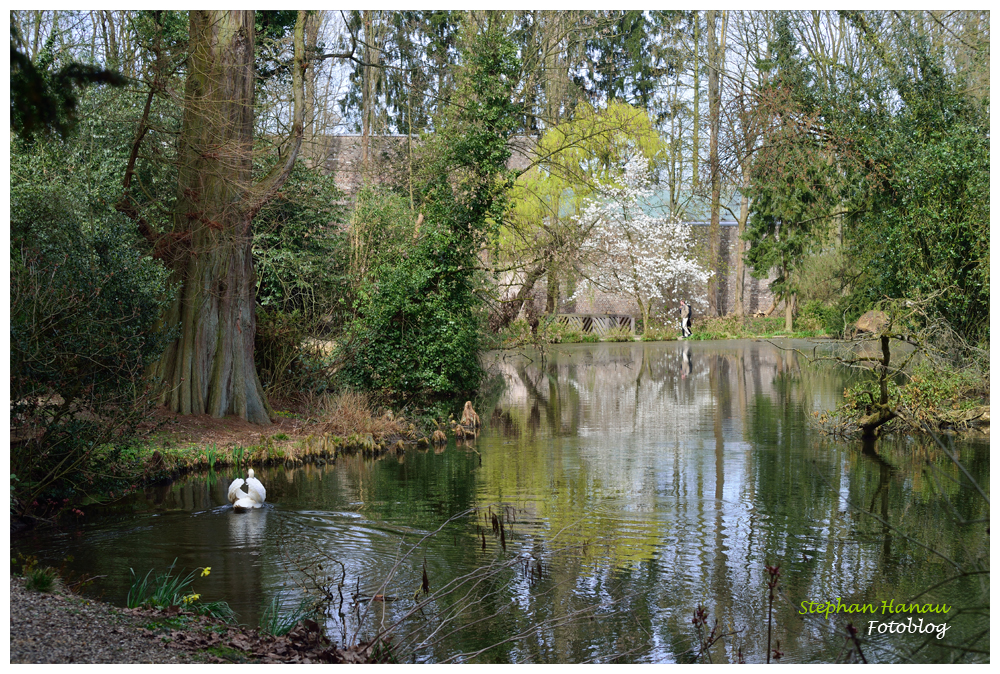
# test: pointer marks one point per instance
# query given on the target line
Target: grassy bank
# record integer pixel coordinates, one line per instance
(315, 431)
(550, 331)
(331, 425)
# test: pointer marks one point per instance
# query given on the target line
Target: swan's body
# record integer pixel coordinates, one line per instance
(253, 497)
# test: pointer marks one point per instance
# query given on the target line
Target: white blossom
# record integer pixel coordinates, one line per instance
(632, 251)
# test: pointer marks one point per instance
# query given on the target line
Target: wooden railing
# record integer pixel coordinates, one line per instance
(598, 323)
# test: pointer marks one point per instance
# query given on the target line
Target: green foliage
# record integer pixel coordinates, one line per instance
(793, 191)
(84, 306)
(550, 331)
(43, 99)
(556, 331)
(733, 327)
(618, 335)
(278, 623)
(424, 44)
(926, 224)
(902, 149)
(937, 395)
(84, 310)
(420, 307)
(166, 589)
(84, 301)
(289, 360)
(576, 154)
(382, 229)
(816, 316)
(947, 387)
(627, 61)
(418, 330)
(300, 250)
(938, 392)
(304, 288)
(40, 579)
(659, 333)
(823, 274)
(465, 179)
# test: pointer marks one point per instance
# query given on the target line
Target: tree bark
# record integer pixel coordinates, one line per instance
(716, 48)
(310, 126)
(696, 122)
(371, 75)
(509, 309)
(741, 228)
(881, 413)
(209, 368)
(552, 292)
(789, 310)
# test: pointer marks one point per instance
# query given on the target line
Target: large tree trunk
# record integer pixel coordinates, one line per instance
(210, 368)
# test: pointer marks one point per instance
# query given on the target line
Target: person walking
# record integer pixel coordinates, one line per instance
(685, 319)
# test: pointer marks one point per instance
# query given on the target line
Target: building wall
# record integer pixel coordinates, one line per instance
(388, 158)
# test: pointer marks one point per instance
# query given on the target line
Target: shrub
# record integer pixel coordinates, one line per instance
(301, 253)
(618, 335)
(304, 288)
(659, 333)
(816, 316)
(278, 623)
(40, 579)
(417, 331)
(84, 311)
(420, 312)
(290, 361)
(568, 334)
(733, 327)
(514, 334)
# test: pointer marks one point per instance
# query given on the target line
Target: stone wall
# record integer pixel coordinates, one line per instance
(388, 158)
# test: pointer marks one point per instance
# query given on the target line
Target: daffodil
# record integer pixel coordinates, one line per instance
(207, 570)
(193, 597)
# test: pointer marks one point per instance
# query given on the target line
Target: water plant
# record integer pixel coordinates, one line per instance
(773, 574)
(167, 589)
(706, 638)
(278, 623)
(239, 455)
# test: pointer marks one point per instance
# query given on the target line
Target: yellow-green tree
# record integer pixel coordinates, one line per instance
(541, 235)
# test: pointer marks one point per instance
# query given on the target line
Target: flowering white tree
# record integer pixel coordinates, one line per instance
(629, 250)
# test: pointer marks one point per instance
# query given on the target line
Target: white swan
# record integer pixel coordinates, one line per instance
(253, 497)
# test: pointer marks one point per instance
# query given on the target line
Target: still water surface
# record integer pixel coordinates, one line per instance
(632, 483)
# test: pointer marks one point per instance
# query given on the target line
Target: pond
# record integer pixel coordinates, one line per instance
(615, 489)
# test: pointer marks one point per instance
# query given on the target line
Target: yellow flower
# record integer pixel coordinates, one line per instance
(207, 570)
(193, 597)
